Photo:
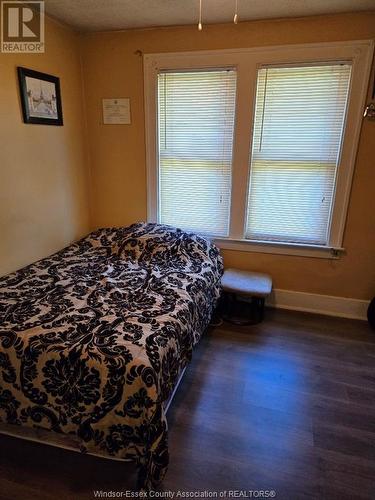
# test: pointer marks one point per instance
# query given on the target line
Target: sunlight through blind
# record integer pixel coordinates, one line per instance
(299, 118)
(196, 121)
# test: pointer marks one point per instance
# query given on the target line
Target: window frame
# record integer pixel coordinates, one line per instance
(247, 62)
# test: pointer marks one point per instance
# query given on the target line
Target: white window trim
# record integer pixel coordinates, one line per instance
(247, 62)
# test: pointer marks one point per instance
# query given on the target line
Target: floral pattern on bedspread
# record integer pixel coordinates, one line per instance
(93, 338)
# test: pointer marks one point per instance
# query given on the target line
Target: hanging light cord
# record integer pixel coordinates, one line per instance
(200, 16)
(235, 19)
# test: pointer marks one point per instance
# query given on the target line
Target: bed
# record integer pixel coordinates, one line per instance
(94, 339)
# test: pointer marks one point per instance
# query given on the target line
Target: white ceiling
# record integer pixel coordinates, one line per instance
(105, 15)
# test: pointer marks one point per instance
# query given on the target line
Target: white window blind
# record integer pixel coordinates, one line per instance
(298, 124)
(196, 120)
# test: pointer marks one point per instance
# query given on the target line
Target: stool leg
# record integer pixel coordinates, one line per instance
(229, 303)
(220, 304)
(232, 310)
(261, 309)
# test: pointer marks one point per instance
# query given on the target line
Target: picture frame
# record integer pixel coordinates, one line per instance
(40, 97)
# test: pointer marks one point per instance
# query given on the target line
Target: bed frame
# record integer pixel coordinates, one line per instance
(65, 441)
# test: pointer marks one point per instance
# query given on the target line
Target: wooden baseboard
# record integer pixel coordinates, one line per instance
(318, 304)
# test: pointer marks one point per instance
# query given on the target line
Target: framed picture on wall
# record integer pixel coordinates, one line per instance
(40, 97)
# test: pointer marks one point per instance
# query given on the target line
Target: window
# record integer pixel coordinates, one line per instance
(195, 121)
(256, 147)
(299, 117)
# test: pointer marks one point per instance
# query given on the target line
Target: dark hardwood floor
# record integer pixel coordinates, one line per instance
(287, 405)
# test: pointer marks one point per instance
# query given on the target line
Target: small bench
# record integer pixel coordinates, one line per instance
(254, 286)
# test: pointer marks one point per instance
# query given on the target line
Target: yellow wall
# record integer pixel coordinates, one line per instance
(44, 176)
(43, 169)
(118, 195)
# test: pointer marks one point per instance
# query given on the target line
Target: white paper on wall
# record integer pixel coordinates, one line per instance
(116, 111)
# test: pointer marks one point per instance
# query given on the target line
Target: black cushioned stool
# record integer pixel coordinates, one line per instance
(254, 286)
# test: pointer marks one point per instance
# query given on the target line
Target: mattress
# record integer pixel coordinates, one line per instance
(94, 338)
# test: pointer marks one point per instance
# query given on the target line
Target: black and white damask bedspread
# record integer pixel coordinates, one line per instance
(93, 338)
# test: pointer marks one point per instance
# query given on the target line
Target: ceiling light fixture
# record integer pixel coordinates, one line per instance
(235, 18)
